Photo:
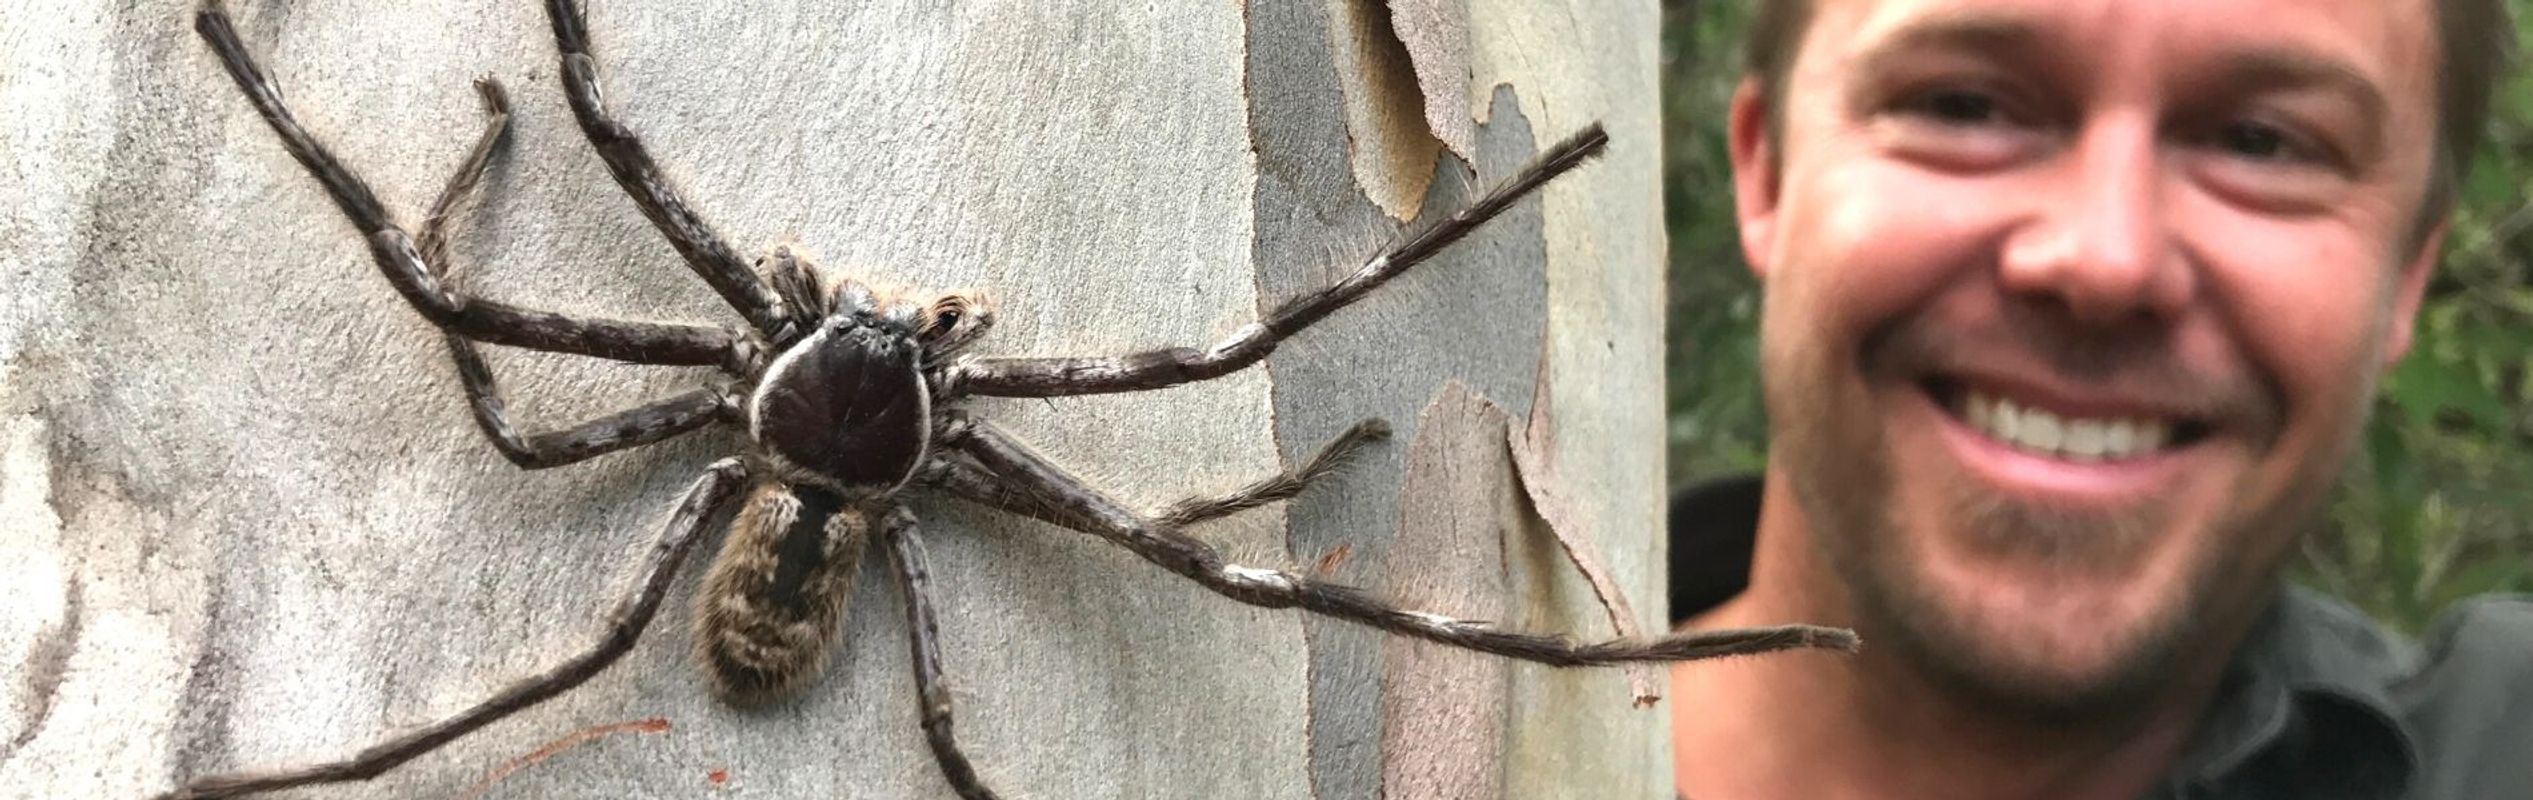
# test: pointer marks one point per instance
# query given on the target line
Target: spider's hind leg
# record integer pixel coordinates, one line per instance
(624, 625)
(1083, 508)
(923, 629)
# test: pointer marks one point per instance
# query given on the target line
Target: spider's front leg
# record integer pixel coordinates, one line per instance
(400, 259)
(1086, 509)
(1154, 369)
(634, 170)
(655, 421)
(625, 624)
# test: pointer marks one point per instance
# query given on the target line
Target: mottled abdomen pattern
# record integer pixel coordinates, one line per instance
(772, 607)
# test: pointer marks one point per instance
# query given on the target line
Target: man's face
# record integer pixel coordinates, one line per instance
(2074, 309)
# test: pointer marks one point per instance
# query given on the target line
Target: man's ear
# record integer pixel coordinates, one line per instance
(1755, 177)
(2407, 291)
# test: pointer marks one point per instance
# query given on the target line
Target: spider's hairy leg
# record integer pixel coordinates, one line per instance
(1154, 369)
(634, 170)
(625, 624)
(1086, 509)
(402, 262)
(923, 629)
(1331, 458)
(773, 603)
(655, 421)
(976, 486)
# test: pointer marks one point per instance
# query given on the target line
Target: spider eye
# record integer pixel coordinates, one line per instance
(942, 323)
(953, 319)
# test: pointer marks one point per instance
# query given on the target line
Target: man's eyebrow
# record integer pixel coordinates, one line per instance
(2022, 35)
(2279, 68)
(1972, 31)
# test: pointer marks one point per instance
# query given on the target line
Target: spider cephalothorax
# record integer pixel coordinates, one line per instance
(840, 391)
(847, 405)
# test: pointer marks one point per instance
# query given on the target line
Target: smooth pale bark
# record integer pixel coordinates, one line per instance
(245, 519)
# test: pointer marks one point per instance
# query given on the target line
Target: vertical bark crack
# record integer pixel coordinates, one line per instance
(46, 663)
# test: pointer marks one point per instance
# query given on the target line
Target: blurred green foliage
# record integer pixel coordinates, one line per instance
(2438, 505)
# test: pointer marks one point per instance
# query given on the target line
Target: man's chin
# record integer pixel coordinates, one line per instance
(2040, 653)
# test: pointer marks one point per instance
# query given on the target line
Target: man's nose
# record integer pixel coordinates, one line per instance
(2101, 245)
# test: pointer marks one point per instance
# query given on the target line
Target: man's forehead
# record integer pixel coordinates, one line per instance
(2390, 43)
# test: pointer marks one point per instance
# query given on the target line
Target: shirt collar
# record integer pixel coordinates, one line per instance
(2307, 699)
(2308, 703)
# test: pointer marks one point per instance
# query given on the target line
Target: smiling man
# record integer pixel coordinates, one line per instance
(2074, 311)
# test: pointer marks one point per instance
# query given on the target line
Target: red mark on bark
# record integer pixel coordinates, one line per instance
(1336, 555)
(718, 776)
(566, 742)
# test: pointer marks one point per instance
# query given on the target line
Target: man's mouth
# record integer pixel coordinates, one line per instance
(2050, 428)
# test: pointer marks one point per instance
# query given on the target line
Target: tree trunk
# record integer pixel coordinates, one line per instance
(246, 520)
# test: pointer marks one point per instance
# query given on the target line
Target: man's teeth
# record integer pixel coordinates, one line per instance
(2041, 432)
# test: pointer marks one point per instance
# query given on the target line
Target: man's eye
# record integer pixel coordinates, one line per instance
(1959, 107)
(2255, 141)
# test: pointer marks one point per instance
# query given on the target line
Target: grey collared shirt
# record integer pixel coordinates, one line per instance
(2319, 702)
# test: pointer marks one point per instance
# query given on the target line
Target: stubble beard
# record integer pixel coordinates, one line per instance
(1897, 607)
(1843, 477)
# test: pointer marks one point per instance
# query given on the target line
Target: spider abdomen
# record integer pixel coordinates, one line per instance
(847, 405)
(774, 602)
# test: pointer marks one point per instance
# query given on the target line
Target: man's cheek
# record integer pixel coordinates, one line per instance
(2306, 297)
(1880, 248)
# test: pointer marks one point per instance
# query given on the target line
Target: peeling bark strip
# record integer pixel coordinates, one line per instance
(1444, 714)
(1477, 317)
(1390, 138)
(1436, 35)
(1443, 711)
(1583, 551)
(1533, 446)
